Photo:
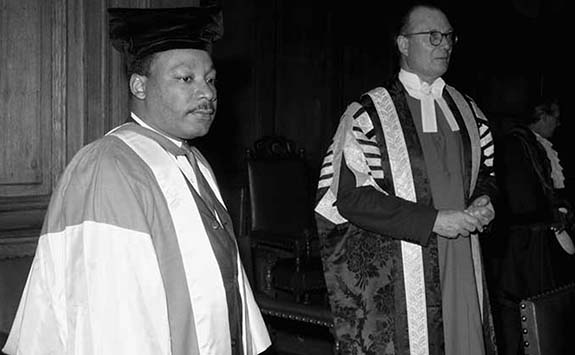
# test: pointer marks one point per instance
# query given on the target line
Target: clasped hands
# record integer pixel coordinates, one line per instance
(454, 223)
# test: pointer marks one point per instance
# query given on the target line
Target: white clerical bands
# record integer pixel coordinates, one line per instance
(428, 95)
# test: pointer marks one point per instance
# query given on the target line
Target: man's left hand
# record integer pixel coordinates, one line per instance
(482, 209)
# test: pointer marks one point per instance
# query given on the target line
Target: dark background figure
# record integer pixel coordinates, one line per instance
(527, 254)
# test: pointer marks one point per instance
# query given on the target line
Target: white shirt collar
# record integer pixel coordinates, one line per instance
(428, 95)
(145, 125)
(413, 82)
(556, 168)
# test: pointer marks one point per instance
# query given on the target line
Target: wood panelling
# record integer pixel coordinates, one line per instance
(305, 67)
(13, 275)
(32, 112)
(32, 92)
(21, 68)
(76, 83)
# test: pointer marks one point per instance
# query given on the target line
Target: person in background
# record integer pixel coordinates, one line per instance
(137, 253)
(533, 233)
(404, 189)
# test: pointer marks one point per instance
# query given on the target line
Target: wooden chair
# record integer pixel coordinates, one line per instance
(279, 223)
(283, 257)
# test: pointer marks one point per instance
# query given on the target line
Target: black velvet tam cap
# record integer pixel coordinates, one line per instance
(137, 33)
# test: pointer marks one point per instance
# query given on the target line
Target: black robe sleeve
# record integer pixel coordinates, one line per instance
(388, 215)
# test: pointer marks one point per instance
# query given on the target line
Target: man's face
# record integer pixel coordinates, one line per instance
(549, 122)
(180, 94)
(419, 56)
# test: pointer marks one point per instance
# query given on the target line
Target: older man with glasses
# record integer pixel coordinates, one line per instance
(405, 188)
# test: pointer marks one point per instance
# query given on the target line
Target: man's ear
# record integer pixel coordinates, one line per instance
(402, 44)
(138, 86)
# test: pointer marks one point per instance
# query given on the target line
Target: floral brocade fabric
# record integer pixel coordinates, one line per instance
(361, 264)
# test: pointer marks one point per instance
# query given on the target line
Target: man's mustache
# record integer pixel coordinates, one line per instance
(207, 106)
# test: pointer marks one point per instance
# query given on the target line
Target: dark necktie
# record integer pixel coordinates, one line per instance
(224, 246)
(203, 187)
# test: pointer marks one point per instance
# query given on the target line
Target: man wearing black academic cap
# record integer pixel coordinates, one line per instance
(137, 253)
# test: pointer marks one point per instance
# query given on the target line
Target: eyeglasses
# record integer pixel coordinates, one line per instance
(436, 37)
